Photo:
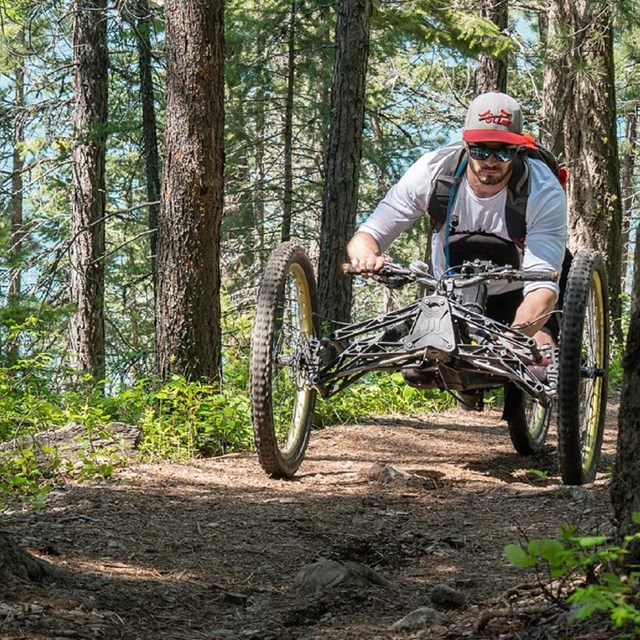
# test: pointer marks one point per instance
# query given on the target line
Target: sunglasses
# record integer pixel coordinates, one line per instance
(503, 154)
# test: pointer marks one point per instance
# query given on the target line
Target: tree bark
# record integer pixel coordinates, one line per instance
(15, 562)
(555, 74)
(188, 332)
(86, 250)
(582, 112)
(628, 170)
(17, 202)
(626, 471)
(260, 194)
(149, 127)
(342, 167)
(491, 72)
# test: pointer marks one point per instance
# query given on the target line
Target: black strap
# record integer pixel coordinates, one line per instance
(517, 195)
(446, 180)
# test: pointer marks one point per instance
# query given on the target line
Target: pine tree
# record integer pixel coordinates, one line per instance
(87, 245)
(188, 269)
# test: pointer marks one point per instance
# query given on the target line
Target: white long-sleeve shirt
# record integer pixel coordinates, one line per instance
(545, 216)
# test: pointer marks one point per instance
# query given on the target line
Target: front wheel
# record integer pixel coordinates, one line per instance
(282, 401)
(582, 370)
(528, 420)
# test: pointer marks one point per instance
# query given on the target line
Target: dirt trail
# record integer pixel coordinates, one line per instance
(212, 548)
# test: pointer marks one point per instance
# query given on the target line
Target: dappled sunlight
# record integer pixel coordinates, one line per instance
(215, 543)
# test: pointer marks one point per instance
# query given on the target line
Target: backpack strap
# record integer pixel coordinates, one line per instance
(444, 191)
(457, 179)
(518, 191)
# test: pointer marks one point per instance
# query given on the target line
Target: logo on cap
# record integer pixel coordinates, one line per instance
(504, 118)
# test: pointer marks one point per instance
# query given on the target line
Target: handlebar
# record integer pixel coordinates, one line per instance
(468, 274)
(391, 275)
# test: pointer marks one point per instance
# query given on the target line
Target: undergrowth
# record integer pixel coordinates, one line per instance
(379, 394)
(586, 575)
(175, 420)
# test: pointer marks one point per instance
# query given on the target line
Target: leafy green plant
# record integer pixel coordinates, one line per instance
(379, 394)
(538, 474)
(31, 411)
(616, 372)
(588, 568)
(184, 418)
(23, 474)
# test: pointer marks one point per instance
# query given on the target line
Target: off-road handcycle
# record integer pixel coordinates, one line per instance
(442, 339)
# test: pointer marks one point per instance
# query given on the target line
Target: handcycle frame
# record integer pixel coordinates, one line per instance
(442, 333)
(445, 336)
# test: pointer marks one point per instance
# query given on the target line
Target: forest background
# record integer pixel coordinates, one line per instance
(127, 291)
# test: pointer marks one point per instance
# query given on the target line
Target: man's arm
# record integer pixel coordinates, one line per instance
(546, 226)
(364, 252)
(403, 204)
(532, 314)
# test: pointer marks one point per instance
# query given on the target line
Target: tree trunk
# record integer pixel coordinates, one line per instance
(491, 72)
(15, 562)
(626, 471)
(342, 167)
(260, 194)
(188, 332)
(287, 200)
(149, 127)
(86, 251)
(17, 230)
(583, 111)
(628, 191)
(555, 73)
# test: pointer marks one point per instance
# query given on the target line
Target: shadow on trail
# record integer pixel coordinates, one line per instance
(211, 548)
(456, 423)
(505, 466)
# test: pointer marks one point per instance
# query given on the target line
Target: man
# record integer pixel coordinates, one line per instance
(492, 135)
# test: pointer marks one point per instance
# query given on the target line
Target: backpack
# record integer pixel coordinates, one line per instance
(518, 188)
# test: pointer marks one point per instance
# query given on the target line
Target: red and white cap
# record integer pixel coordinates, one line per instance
(493, 117)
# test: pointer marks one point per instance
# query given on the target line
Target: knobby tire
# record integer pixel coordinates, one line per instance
(582, 371)
(282, 404)
(527, 419)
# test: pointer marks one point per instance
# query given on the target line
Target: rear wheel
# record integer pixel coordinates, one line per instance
(582, 371)
(528, 420)
(282, 401)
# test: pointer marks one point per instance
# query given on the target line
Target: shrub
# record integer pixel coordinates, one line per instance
(590, 568)
(183, 418)
(379, 394)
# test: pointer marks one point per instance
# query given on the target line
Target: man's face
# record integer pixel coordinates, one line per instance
(491, 170)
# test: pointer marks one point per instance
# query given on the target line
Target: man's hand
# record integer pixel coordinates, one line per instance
(364, 252)
(531, 316)
(534, 310)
